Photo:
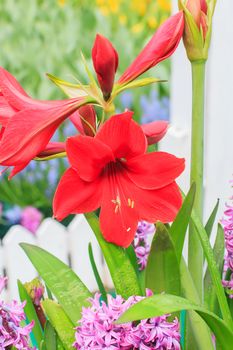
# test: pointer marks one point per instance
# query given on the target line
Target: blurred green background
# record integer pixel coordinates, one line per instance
(40, 36)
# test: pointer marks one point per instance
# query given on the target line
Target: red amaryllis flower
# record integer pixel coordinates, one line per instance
(105, 61)
(30, 123)
(161, 46)
(113, 171)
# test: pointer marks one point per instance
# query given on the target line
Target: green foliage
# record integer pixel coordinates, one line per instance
(159, 305)
(31, 313)
(69, 290)
(122, 271)
(62, 324)
(162, 271)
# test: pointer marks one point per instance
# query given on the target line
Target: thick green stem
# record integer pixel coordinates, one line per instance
(195, 256)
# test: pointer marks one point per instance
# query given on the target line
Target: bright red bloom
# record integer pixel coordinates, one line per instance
(29, 124)
(155, 131)
(105, 61)
(161, 46)
(113, 171)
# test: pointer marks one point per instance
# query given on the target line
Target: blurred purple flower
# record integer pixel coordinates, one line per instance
(227, 223)
(127, 100)
(154, 108)
(12, 333)
(97, 330)
(141, 242)
(13, 215)
(31, 218)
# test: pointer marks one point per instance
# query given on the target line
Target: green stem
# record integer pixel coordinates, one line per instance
(195, 256)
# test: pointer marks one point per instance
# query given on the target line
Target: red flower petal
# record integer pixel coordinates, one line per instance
(154, 170)
(74, 196)
(105, 61)
(155, 131)
(88, 156)
(155, 205)
(83, 119)
(6, 111)
(123, 136)
(29, 131)
(118, 219)
(161, 46)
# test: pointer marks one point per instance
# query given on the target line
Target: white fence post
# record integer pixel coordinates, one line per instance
(80, 234)
(52, 236)
(16, 263)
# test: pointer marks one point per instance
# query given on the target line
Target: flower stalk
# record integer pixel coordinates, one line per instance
(195, 256)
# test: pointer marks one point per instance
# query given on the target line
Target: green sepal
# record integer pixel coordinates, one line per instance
(71, 90)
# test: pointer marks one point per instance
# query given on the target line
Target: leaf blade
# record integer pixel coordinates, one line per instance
(69, 290)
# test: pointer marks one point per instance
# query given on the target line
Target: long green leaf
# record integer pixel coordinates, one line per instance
(66, 286)
(96, 273)
(50, 337)
(159, 305)
(162, 271)
(59, 320)
(200, 330)
(219, 248)
(31, 313)
(213, 269)
(123, 273)
(179, 226)
(210, 223)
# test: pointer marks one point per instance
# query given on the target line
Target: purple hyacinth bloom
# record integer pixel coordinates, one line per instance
(97, 330)
(227, 223)
(31, 218)
(141, 242)
(12, 333)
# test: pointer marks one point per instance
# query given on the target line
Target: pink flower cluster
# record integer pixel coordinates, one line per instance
(227, 223)
(12, 333)
(97, 330)
(141, 242)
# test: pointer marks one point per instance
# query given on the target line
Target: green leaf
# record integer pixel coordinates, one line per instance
(218, 250)
(213, 269)
(30, 313)
(50, 337)
(123, 274)
(200, 330)
(179, 226)
(210, 223)
(133, 258)
(96, 273)
(59, 320)
(162, 271)
(65, 285)
(159, 305)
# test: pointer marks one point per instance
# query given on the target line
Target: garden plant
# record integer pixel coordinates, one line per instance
(127, 191)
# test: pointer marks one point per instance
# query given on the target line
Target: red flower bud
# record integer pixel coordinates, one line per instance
(105, 61)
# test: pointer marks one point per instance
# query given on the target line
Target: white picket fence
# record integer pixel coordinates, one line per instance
(70, 244)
